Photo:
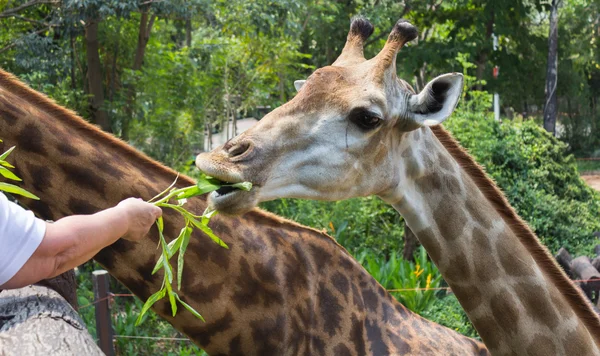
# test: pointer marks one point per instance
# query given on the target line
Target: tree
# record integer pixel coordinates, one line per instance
(551, 105)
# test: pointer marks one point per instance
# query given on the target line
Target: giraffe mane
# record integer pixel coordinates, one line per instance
(14, 85)
(580, 304)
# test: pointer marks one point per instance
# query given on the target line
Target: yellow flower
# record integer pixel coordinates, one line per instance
(428, 281)
(418, 271)
(331, 226)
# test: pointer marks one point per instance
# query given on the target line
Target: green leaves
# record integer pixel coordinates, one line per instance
(179, 245)
(6, 173)
(13, 189)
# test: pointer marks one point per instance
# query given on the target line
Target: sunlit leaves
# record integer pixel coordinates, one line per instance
(179, 245)
(6, 173)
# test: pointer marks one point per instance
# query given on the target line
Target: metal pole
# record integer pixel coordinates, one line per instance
(104, 330)
(496, 95)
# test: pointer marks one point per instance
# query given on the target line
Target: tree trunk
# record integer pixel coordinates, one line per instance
(36, 320)
(551, 106)
(94, 70)
(482, 57)
(596, 263)
(146, 23)
(590, 277)
(188, 33)
(72, 58)
(410, 244)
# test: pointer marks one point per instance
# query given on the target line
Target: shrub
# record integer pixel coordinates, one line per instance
(447, 311)
(410, 277)
(358, 224)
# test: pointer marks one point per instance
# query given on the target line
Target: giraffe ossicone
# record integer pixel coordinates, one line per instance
(355, 129)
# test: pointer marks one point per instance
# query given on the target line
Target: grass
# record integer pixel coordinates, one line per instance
(588, 166)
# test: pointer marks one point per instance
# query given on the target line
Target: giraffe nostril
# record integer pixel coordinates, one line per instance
(238, 149)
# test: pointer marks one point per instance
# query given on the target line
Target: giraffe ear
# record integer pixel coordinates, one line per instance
(437, 101)
(298, 84)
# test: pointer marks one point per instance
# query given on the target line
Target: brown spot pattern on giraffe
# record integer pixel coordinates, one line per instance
(341, 350)
(450, 221)
(537, 307)
(341, 284)
(10, 113)
(504, 310)
(470, 297)
(67, 149)
(80, 206)
(541, 345)
(488, 330)
(30, 139)
(330, 309)
(42, 209)
(250, 291)
(457, 268)
(357, 336)
(374, 334)
(429, 241)
(486, 269)
(514, 263)
(480, 214)
(84, 177)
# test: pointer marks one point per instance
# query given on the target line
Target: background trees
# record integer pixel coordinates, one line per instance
(151, 71)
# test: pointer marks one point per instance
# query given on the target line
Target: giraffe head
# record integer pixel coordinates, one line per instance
(340, 136)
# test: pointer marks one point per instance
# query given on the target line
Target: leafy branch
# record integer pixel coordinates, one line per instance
(5, 171)
(179, 245)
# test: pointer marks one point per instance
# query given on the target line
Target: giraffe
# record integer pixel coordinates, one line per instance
(355, 129)
(281, 288)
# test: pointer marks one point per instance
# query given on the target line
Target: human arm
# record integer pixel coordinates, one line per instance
(73, 240)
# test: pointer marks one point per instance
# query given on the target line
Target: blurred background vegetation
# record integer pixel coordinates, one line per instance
(165, 74)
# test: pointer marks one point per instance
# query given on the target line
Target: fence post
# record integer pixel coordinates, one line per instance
(104, 330)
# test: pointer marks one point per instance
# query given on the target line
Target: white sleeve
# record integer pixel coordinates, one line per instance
(20, 235)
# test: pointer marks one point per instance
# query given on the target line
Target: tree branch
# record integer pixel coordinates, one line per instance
(383, 34)
(26, 5)
(30, 20)
(15, 42)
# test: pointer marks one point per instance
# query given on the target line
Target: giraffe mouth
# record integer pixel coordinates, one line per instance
(226, 190)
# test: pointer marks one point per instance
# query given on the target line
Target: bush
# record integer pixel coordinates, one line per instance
(358, 224)
(447, 311)
(409, 276)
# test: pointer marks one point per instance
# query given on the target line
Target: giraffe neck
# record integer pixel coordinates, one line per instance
(515, 298)
(281, 288)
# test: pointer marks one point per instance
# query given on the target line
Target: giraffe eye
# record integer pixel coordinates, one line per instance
(364, 119)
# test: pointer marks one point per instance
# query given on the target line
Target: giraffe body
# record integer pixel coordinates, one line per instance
(281, 289)
(355, 129)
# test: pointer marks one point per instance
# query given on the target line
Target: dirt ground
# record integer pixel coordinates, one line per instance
(592, 181)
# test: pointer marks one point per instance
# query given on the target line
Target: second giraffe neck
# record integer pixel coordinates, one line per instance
(512, 300)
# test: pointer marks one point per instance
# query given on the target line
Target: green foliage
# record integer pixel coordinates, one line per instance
(8, 174)
(358, 224)
(179, 244)
(588, 166)
(405, 279)
(539, 178)
(125, 311)
(448, 312)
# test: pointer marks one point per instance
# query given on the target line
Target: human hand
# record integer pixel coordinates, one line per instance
(140, 217)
